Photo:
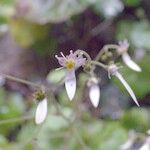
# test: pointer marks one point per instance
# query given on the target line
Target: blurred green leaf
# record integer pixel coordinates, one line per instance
(55, 76)
(26, 33)
(109, 8)
(53, 11)
(136, 119)
(138, 33)
(3, 141)
(12, 107)
(50, 135)
(131, 2)
(139, 81)
(45, 46)
(104, 135)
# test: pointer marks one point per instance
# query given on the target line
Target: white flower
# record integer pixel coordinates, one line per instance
(71, 62)
(94, 91)
(122, 50)
(113, 70)
(41, 111)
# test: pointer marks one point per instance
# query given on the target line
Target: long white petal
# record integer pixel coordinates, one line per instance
(130, 63)
(70, 84)
(126, 145)
(94, 94)
(119, 76)
(41, 111)
(145, 147)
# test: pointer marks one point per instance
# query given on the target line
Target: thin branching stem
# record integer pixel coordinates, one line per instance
(84, 53)
(16, 79)
(105, 49)
(99, 64)
(19, 119)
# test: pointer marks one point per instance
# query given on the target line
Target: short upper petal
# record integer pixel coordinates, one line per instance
(130, 63)
(61, 60)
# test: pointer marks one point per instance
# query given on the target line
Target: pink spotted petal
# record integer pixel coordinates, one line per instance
(70, 84)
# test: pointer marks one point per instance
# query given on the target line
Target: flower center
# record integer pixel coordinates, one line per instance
(70, 64)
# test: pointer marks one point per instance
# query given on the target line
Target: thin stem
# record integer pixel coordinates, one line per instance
(111, 46)
(82, 143)
(99, 64)
(9, 77)
(105, 49)
(33, 136)
(84, 53)
(101, 27)
(6, 121)
(72, 124)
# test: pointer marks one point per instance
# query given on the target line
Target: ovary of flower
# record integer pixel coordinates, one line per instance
(113, 70)
(70, 62)
(94, 91)
(122, 50)
(41, 111)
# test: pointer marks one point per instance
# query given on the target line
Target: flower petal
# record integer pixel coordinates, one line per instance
(41, 111)
(94, 94)
(130, 63)
(61, 60)
(146, 145)
(2, 80)
(70, 84)
(119, 76)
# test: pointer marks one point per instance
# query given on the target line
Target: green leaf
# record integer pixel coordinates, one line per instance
(131, 2)
(55, 76)
(139, 81)
(104, 135)
(109, 8)
(12, 106)
(137, 119)
(3, 141)
(26, 33)
(54, 11)
(138, 33)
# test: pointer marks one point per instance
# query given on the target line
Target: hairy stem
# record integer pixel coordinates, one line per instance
(19, 119)
(9, 77)
(99, 64)
(105, 49)
(84, 53)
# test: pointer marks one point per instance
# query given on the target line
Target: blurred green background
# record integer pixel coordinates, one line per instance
(31, 33)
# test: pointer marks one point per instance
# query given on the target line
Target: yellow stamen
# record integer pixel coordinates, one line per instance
(70, 64)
